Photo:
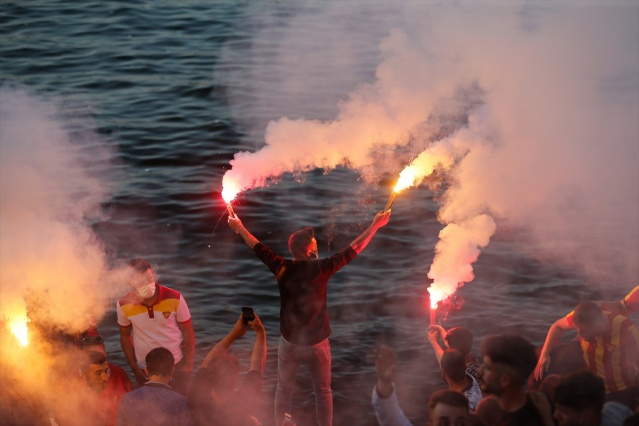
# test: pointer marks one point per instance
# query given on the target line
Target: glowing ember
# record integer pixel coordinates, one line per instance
(19, 328)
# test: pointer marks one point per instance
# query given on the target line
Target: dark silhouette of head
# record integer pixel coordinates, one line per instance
(159, 362)
(140, 265)
(460, 338)
(299, 241)
(222, 373)
(449, 404)
(513, 352)
(453, 365)
(579, 398)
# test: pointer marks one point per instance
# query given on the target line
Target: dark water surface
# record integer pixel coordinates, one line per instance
(146, 72)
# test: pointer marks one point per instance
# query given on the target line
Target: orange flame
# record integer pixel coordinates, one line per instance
(407, 178)
(18, 326)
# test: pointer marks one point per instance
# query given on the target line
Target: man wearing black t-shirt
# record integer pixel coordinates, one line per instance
(508, 362)
(304, 324)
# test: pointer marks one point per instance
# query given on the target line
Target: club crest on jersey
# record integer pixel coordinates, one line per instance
(166, 314)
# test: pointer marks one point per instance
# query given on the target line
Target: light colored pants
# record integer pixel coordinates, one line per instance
(318, 360)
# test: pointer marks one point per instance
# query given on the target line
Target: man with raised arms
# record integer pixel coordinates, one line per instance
(304, 324)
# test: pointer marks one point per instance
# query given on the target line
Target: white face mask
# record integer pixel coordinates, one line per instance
(147, 291)
(144, 285)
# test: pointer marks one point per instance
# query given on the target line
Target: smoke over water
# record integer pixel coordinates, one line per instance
(53, 268)
(529, 111)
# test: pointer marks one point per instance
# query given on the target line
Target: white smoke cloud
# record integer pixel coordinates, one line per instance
(542, 100)
(52, 264)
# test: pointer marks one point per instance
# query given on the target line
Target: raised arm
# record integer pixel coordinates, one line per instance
(236, 224)
(223, 345)
(552, 339)
(258, 357)
(434, 334)
(362, 241)
(385, 367)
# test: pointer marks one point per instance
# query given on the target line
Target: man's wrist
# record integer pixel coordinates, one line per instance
(384, 388)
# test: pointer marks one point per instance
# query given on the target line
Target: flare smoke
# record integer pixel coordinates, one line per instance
(530, 110)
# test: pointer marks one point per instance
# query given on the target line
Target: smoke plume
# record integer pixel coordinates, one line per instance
(529, 110)
(53, 266)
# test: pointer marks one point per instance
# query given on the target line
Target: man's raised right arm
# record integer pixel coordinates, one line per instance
(236, 224)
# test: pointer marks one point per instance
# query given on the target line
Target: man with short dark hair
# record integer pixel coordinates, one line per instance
(454, 373)
(449, 407)
(459, 338)
(610, 347)
(155, 403)
(118, 382)
(304, 324)
(508, 361)
(78, 398)
(579, 400)
(150, 316)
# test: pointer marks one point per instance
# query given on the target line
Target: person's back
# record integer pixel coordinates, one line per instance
(304, 322)
(155, 403)
(303, 286)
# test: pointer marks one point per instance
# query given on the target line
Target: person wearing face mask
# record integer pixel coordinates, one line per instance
(150, 316)
(304, 324)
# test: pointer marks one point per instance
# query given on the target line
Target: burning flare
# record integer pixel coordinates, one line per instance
(407, 178)
(18, 326)
(230, 190)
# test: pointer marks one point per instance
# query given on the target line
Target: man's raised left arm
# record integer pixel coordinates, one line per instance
(362, 241)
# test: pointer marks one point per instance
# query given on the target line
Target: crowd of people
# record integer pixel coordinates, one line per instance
(592, 381)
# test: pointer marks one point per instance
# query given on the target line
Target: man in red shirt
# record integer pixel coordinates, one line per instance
(117, 383)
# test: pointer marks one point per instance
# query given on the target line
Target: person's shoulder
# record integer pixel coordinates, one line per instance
(488, 410)
(167, 293)
(116, 369)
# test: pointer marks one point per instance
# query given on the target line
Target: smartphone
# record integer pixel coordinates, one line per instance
(247, 314)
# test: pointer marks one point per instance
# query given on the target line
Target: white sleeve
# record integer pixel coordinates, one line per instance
(183, 313)
(388, 411)
(122, 319)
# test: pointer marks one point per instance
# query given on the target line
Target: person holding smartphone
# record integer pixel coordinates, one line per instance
(212, 396)
(304, 324)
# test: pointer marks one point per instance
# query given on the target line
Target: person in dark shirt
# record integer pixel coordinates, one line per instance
(212, 397)
(508, 362)
(304, 324)
(155, 403)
